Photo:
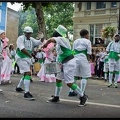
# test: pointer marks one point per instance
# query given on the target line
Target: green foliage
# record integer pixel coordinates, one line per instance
(28, 18)
(108, 31)
(58, 13)
(55, 13)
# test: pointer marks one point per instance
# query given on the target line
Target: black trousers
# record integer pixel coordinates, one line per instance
(16, 67)
(100, 72)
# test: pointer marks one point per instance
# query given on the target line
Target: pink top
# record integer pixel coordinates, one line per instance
(48, 50)
(4, 50)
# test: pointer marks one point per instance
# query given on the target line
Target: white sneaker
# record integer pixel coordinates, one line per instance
(1, 90)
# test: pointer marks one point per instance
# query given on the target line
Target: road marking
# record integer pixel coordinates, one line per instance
(91, 103)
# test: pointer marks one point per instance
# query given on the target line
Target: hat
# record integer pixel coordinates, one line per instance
(1, 31)
(61, 30)
(117, 35)
(28, 29)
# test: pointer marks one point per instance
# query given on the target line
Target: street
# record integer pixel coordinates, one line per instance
(103, 102)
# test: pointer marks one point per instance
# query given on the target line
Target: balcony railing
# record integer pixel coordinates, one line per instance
(101, 12)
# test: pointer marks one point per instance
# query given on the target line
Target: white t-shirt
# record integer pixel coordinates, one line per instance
(22, 43)
(40, 55)
(82, 44)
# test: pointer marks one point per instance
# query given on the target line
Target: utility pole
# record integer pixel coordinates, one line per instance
(119, 20)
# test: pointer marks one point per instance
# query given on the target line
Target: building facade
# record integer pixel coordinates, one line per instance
(9, 22)
(94, 16)
(3, 15)
(12, 26)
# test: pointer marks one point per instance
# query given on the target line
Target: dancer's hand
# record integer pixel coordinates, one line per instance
(32, 60)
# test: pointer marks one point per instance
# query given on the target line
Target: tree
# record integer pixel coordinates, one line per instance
(39, 13)
(28, 18)
(59, 13)
(55, 13)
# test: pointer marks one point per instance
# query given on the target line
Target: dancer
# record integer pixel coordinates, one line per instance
(82, 48)
(66, 57)
(24, 59)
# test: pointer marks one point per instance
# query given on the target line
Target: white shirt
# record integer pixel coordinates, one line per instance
(22, 43)
(82, 44)
(102, 54)
(40, 55)
(61, 42)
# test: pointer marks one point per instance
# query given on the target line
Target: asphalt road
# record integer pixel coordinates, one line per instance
(103, 102)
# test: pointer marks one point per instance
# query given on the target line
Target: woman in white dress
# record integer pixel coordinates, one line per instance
(7, 63)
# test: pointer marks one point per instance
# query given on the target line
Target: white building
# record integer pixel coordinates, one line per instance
(94, 16)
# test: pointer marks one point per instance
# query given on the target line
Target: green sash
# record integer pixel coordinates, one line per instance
(23, 55)
(41, 61)
(106, 60)
(82, 51)
(113, 55)
(66, 52)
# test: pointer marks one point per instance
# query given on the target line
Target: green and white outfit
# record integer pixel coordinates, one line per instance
(24, 61)
(63, 49)
(106, 66)
(114, 49)
(82, 47)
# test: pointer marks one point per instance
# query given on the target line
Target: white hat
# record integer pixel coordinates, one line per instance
(61, 30)
(28, 29)
(1, 31)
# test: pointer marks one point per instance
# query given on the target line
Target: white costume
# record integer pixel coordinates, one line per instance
(7, 63)
(82, 47)
(24, 62)
(68, 67)
(114, 49)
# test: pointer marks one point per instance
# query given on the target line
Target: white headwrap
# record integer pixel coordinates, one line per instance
(1, 31)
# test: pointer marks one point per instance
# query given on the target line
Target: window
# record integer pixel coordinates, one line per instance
(98, 29)
(88, 6)
(100, 5)
(95, 32)
(92, 33)
(113, 4)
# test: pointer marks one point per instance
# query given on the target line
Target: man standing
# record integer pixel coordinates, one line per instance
(113, 49)
(24, 59)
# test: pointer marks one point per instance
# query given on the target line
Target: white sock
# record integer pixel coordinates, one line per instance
(58, 91)
(83, 84)
(105, 75)
(26, 85)
(116, 78)
(20, 83)
(110, 77)
(79, 91)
